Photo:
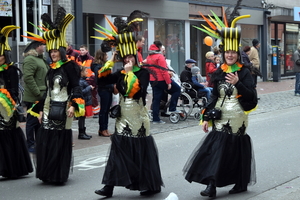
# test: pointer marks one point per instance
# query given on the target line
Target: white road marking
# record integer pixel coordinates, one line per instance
(92, 163)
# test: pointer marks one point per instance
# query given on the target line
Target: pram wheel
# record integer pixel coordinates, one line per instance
(174, 118)
(183, 115)
(197, 116)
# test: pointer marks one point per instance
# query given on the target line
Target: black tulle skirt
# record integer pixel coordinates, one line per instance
(53, 155)
(226, 158)
(14, 157)
(133, 163)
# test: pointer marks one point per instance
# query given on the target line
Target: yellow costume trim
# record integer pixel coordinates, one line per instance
(81, 107)
(31, 112)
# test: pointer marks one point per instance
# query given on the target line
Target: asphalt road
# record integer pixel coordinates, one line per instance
(275, 136)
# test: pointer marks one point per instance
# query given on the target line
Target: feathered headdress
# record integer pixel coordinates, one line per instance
(54, 33)
(4, 46)
(225, 30)
(122, 35)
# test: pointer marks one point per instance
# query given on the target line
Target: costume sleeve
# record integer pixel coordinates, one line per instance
(29, 68)
(106, 69)
(73, 73)
(144, 79)
(247, 94)
(7, 104)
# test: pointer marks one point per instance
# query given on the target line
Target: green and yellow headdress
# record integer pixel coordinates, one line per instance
(53, 33)
(4, 46)
(122, 35)
(226, 31)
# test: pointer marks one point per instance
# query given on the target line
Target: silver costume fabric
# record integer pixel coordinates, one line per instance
(58, 93)
(232, 111)
(134, 120)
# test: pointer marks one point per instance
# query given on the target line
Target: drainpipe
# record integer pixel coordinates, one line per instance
(264, 44)
(78, 24)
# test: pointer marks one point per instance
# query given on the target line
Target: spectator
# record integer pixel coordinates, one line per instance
(85, 59)
(186, 74)
(105, 92)
(140, 42)
(209, 66)
(34, 71)
(297, 71)
(161, 82)
(254, 58)
(87, 95)
(200, 87)
(72, 54)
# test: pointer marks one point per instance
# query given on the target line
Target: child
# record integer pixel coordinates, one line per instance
(200, 87)
(87, 94)
(217, 60)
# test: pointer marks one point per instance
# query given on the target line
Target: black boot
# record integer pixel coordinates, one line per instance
(86, 134)
(82, 135)
(107, 191)
(210, 189)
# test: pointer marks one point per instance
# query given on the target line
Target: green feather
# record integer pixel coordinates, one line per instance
(209, 33)
(108, 31)
(218, 19)
(38, 28)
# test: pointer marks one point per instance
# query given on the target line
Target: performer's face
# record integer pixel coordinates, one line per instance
(55, 55)
(128, 58)
(231, 57)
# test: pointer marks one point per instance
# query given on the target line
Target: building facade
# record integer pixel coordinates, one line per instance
(170, 21)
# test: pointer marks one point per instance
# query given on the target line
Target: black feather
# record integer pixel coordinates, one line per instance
(47, 22)
(231, 15)
(61, 13)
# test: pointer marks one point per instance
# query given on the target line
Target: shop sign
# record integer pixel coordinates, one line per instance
(5, 8)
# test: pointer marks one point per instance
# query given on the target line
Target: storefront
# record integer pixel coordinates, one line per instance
(286, 36)
(22, 13)
(170, 22)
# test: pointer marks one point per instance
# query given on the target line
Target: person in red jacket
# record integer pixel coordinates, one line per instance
(210, 66)
(161, 81)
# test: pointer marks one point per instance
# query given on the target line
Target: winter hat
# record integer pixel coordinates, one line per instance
(195, 70)
(255, 42)
(33, 45)
(190, 61)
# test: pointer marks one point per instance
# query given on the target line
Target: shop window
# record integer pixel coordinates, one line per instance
(171, 34)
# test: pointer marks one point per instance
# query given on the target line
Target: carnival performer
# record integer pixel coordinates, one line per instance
(63, 101)
(133, 158)
(14, 157)
(225, 155)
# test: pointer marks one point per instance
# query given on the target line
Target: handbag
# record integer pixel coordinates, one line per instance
(57, 110)
(115, 111)
(215, 113)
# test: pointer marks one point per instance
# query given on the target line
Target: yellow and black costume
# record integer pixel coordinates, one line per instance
(225, 155)
(133, 159)
(54, 139)
(14, 157)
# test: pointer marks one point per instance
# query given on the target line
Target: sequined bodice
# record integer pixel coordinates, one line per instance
(234, 120)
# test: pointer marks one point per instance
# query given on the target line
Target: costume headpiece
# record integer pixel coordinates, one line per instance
(54, 33)
(122, 35)
(226, 31)
(4, 46)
